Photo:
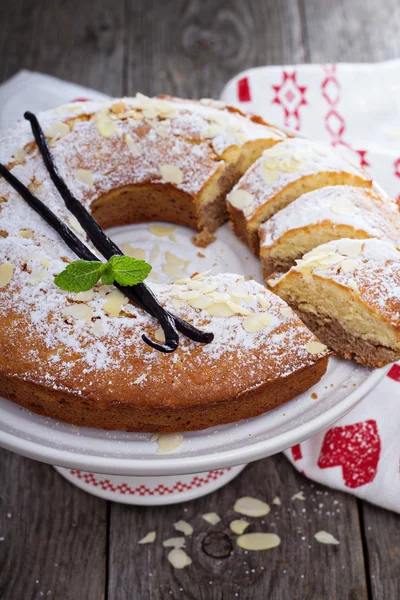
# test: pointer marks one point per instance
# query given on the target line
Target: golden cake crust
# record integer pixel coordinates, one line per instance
(81, 358)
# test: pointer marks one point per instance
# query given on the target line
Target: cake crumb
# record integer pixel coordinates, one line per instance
(200, 254)
(203, 239)
(314, 396)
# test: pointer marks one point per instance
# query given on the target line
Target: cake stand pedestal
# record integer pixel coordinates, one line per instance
(150, 491)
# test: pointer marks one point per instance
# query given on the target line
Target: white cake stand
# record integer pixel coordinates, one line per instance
(125, 467)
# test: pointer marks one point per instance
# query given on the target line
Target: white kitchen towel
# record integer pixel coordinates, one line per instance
(357, 106)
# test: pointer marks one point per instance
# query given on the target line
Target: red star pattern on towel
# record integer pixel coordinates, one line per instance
(291, 96)
(356, 448)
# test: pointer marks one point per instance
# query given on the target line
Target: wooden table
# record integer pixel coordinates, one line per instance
(55, 540)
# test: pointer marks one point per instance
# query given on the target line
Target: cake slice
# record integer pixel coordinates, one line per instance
(282, 174)
(348, 293)
(326, 214)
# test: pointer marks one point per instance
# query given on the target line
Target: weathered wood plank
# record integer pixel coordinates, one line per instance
(382, 542)
(191, 49)
(52, 535)
(297, 569)
(351, 30)
(78, 41)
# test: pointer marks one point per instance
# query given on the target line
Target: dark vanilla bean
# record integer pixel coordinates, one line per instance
(82, 251)
(98, 237)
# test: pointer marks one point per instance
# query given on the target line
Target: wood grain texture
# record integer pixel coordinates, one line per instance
(78, 41)
(191, 48)
(52, 535)
(382, 540)
(350, 30)
(299, 568)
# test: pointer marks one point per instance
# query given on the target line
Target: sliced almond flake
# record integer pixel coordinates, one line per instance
(258, 541)
(37, 277)
(237, 309)
(175, 542)
(286, 311)
(277, 501)
(133, 147)
(112, 308)
(343, 206)
(163, 231)
(178, 304)
(45, 262)
(349, 265)
(118, 108)
(171, 174)
(179, 559)
(189, 295)
(76, 226)
(149, 538)
(84, 296)
(162, 131)
(104, 290)
(326, 538)
(256, 322)
(263, 301)
(141, 378)
(201, 302)
(211, 518)
(240, 199)
(78, 311)
(27, 234)
(251, 507)
(219, 309)
(105, 125)
(154, 254)
(315, 348)
(172, 271)
(167, 442)
(58, 130)
(159, 335)
(184, 527)
(200, 276)
(213, 130)
(237, 290)
(238, 526)
(137, 253)
(351, 248)
(6, 273)
(353, 285)
(84, 176)
(330, 260)
(176, 261)
(298, 496)
(19, 155)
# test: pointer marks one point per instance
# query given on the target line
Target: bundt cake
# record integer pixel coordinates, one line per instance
(348, 293)
(80, 357)
(282, 174)
(326, 214)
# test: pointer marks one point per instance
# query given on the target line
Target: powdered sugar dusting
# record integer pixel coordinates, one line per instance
(287, 162)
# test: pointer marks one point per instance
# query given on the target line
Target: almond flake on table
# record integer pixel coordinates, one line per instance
(179, 559)
(277, 501)
(298, 496)
(251, 507)
(149, 538)
(258, 541)
(238, 526)
(184, 527)
(175, 542)
(211, 518)
(326, 538)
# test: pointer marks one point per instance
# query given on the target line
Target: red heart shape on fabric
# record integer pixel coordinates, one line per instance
(356, 448)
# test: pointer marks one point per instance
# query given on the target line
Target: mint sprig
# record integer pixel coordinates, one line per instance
(82, 275)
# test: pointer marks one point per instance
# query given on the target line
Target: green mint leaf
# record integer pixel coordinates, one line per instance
(129, 271)
(80, 275)
(107, 277)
